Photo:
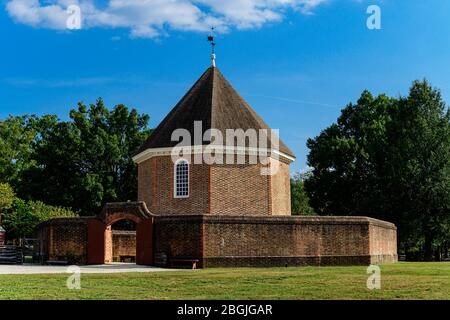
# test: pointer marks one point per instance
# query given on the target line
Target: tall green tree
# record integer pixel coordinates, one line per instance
(87, 161)
(18, 137)
(390, 159)
(299, 198)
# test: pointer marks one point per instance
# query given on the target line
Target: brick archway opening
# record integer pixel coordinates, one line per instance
(101, 237)
(120, 242)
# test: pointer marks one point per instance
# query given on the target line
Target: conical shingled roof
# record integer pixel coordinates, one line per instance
(215, 102)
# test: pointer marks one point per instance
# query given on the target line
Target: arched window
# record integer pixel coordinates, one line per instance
(181, 184)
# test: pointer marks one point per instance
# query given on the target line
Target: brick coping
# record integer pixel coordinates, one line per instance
(300, 256)
(124, 232)
(254, 219)
(264, 219)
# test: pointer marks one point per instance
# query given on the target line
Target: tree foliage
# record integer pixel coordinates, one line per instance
(23, 216)
(299, 198)
(18, 137)
(6, 196)
(388, 158)
(87, 161)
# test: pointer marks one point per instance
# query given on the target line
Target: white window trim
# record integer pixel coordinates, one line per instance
(175, 179)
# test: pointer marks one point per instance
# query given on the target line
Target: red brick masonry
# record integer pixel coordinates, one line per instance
(124, 244)
(248, 241)
(63, 239)
(238, 241)
(216, 189)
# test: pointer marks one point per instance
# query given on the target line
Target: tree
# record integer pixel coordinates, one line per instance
(23, 216)
(389, 159)
(424, 150)
(18, 138)
(86, 162)
(299, 198)
(6, 198)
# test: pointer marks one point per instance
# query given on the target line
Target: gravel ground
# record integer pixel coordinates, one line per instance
(106, 268)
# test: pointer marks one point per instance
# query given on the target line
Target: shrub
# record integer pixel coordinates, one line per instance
(23, 216)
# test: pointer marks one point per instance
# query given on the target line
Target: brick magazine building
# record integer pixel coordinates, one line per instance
(218, 214)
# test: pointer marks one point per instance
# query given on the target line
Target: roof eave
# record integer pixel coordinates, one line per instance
(167, 151)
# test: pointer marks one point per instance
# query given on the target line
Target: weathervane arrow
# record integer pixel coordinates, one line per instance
(212, 41)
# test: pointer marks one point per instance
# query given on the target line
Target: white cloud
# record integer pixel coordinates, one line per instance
(31, 12)
(151, 18)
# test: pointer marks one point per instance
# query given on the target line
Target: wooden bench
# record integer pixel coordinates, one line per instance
(57, 262)
(182, 261)
(127, 259)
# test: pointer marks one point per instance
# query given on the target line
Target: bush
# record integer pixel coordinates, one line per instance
(23, 216)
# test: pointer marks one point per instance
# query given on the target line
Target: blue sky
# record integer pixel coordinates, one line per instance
(297, 64)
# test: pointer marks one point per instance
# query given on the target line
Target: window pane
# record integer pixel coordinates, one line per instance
(182, 179)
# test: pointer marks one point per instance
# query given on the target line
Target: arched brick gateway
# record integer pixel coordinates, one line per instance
(114, 212)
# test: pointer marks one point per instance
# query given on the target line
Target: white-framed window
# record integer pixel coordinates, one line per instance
(181, 179)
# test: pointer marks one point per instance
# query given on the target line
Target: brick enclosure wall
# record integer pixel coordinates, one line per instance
(383, 243)
(124, 244)
(236, 241)
(261, 241)
(178, 236)
(63, 239)
(279, 241)
(228, 189)
(66, 239)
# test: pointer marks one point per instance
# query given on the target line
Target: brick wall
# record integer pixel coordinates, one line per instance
(108, 245)
(156, 181)
(383, 243)
(236, 241)
(216, 189)
(239, 190)
(145, 182)
(63, 239)
(124, 244)
(280, 186)
(261, 241)
(279, 241)
(178, 236)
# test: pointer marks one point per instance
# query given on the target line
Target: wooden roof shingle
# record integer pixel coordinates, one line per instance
(213, 101)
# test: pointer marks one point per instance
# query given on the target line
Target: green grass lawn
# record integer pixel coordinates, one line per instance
(398, 281)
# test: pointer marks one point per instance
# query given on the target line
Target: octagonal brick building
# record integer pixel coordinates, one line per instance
(216, 189)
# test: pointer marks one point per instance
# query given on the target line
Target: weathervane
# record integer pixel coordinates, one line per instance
(212, 41)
